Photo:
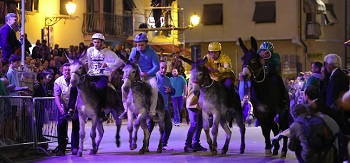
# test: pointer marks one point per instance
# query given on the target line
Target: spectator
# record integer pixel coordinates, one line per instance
(192, 142)
(40, 91)
(165, 89)
(8, 40)
(63, 100)
(12, 74)
(180, 85)
(338, 82)
(243, 87)
(298, 140)
(317, 78)
(27, 45)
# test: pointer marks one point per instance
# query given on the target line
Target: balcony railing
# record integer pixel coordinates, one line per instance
(109, 24)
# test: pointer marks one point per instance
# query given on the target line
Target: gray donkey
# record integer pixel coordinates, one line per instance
(88, 102)
(136, 97)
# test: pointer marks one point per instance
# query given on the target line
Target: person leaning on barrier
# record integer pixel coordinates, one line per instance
(40, 91)
(62, 89)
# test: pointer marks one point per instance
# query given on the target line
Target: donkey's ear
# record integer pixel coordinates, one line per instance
(70, 60)
(124, 59)
(136, 58)
(253, 43)
(82, 56)
(186, 60)
(241, 44)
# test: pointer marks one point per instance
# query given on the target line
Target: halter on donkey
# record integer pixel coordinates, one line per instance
(265, 97)
(137, 101)
(87, 104)
(213, 100)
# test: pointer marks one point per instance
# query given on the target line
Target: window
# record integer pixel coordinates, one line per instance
(265, 12)
(31, 5)
(212, 14)
(128, 5)
(329, 18)
(108, 6)
(63, 10)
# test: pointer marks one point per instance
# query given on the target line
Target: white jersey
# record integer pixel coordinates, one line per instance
(96, 58)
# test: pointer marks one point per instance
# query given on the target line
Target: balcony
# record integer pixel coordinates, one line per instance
(117, 26)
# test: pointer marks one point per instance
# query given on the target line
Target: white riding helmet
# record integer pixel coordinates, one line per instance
(98, 36)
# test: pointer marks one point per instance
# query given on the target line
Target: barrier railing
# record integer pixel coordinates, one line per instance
(26, 123)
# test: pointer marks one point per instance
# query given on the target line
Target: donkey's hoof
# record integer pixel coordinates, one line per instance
(159, 150)
(241, 151)
(79, 154)
(283, 154)
(133, 146)
(275, 152)
(117, 142)
(214, 152)
(93, 151)
(141, 151)
(224, 151)
(268, 152)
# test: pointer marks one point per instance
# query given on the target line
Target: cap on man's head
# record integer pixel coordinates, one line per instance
(14, 58)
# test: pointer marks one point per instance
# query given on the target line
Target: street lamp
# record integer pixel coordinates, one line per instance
(194, 20)
(70, 7)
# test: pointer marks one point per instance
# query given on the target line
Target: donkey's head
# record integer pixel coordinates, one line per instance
(250, 60)
(199, 73)
(131, 71)
(78, 72)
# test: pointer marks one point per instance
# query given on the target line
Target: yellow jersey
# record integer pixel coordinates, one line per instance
(223, 64)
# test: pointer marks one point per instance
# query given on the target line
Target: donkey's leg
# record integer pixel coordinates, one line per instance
(228, 134)
(118, 123)
(239, 120)
(265, 124)
(284, 124)
(214, 132)
(137, 123)
(130, 129)
(275, 132)
(82, 122)
(161, 125)
(100, 131)
(206, 129)
(146, 136)
(94, 120)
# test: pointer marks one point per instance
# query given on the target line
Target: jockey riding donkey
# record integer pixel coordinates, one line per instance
(272, 64)
(101, 62)
(219, 66)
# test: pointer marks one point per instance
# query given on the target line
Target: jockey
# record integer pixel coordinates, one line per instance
(272, 64)
(219, 66)
(101, 62)
(149, 66)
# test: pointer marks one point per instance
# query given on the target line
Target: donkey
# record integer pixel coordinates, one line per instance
(265, 97)
(213, 100)
(136, 97)
(88, 102)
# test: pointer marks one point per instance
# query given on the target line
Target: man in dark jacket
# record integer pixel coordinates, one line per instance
(8, 39)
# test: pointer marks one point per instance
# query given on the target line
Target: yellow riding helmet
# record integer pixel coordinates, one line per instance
(214, 46)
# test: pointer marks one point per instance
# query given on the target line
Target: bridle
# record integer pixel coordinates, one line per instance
(256, 73)
(202, 82)
(80, 76)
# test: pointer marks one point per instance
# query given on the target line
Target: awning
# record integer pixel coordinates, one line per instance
(314, 6)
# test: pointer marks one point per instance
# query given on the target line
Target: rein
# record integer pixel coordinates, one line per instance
(205, 86)
(257, 73)
(84, 76)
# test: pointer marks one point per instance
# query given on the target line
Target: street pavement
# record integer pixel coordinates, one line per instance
(108, 152)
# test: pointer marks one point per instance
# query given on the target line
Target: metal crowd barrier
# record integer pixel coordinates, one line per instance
(26, 124)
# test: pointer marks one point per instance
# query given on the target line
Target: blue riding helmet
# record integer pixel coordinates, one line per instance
(141, 37)
(268, 48)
